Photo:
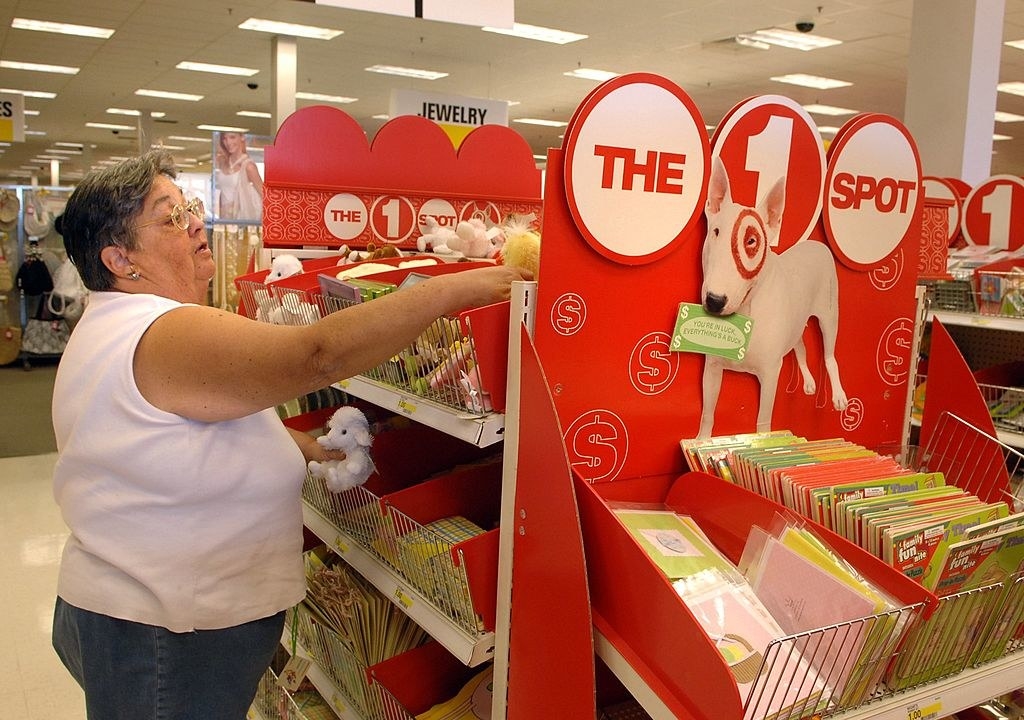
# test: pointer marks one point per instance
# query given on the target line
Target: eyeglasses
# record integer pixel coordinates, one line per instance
(179, 214)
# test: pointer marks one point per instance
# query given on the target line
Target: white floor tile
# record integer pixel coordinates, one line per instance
(34, 686)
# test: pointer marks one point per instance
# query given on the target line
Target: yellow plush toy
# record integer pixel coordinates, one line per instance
(521, 247)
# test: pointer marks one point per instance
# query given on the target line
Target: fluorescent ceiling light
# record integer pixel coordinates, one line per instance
(134, 113)
(320, 97)
(186, 138)
(109, 126)
(34, 132)
(169, 95)
(816, 109)
(62, 28)
(31, 112)
(1012, 88)
(170, 147)
(536, 32)
(30, 93)
(1002, 137)
(64, 151)
(540, 157)
(791, 39)
(39, 67)
(591, 74)
(219, 69)
(407, 72)
(381, 117)
(222, 128)
(811, 81)
(751, 42)
(1019, 44)
(253, 113)
(539, 121)
(827, 129)
(283, 28)
(1004, 117)
(61, 143)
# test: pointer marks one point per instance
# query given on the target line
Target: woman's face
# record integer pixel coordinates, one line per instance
(231, 142)
(178, 262)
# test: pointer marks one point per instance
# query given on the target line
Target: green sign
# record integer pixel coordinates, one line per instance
(697, 331)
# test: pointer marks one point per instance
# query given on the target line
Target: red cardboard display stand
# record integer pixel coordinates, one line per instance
(326, 185)
(623, 239)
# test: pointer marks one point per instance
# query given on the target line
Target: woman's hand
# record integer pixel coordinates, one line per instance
(312, 450)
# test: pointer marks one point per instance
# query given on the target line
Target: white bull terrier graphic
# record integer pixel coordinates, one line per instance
(780, 292)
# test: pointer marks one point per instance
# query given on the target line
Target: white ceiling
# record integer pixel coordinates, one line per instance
(679, 39)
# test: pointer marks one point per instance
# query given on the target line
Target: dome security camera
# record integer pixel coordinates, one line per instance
(252, 85)
(805, 26)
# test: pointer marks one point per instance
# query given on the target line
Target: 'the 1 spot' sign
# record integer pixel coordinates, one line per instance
(994, 213)
(636, 188)
(873, 189)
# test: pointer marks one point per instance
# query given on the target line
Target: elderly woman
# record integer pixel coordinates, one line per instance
(178, 482)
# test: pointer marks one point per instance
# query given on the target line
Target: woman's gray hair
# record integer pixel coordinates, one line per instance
(103, 209)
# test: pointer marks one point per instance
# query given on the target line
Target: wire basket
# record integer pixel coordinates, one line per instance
(992, 293)
(426, 559)
(829, 670)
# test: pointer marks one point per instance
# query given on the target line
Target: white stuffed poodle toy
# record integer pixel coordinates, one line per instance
(347, 430)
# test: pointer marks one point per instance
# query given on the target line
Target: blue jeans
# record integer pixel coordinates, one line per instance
(131, 671)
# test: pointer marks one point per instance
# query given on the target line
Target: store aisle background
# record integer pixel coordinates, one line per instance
(26, 427)
(33, 684)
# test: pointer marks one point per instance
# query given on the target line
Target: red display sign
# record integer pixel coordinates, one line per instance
(636, 189)
(770, 137)
(873, 190)
(994, 213)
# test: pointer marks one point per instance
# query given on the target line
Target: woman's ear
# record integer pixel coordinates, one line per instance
(115, 260)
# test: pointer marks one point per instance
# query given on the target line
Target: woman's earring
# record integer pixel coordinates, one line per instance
(134, 274)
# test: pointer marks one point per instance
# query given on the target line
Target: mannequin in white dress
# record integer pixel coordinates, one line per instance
(238, 180)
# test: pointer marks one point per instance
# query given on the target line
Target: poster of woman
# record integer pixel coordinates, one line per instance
(237, 182)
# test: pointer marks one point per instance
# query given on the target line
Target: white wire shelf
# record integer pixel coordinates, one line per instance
(967, 319)
(481, 431)
(472, 650)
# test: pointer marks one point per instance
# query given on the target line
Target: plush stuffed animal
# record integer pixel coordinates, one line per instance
(348, 430)
(283, 266)
(522, 245)
(472, 239)
(436, 237)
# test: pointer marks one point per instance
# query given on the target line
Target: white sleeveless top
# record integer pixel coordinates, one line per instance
(177, 523)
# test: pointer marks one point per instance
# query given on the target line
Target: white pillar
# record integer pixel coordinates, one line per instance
(283, 70)
(951, 85)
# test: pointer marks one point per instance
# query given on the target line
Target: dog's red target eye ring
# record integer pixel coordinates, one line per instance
(749, 246)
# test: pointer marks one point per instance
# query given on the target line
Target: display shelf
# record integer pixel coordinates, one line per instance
(932, 701)
(992, 322)
(478, 430)
(324, 685)
(936, 700)
(470, 649)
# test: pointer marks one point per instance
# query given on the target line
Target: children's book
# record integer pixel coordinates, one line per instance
(911, 549)
(979, 562)
(675, 543)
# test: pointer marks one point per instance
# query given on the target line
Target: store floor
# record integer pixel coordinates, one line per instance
(33, 683)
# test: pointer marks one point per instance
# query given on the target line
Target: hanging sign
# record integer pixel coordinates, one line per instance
(873, 191)
(636, 189)
(994, 213)
(495, 13)
(456, 115)
(12, 117)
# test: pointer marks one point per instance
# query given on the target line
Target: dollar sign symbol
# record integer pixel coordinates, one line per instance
(592, 444)
(655, 365)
